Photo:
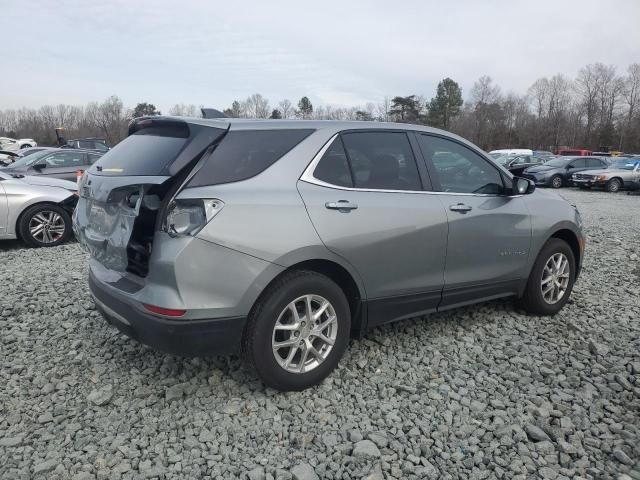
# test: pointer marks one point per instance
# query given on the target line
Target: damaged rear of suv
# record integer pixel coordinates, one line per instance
(150, 275)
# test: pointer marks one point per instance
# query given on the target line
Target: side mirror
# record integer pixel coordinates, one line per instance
(40, 166)
(523, 186)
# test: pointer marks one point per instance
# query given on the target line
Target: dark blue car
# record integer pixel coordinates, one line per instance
(557, 173)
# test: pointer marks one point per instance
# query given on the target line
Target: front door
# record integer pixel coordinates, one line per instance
(62, 164)
(489, 230)
(366, 199)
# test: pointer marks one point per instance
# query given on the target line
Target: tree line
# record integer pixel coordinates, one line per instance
(598, 109)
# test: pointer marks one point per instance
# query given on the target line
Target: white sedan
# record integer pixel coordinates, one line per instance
(13, 144)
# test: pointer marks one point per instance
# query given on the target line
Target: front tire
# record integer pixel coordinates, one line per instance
(297, 331)
(44, 225)
(613, 185)
(556, 181)
(551, 280)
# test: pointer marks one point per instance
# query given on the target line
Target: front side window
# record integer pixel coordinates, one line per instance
(594, 163)
(93, 157)
(65, 159)
(459, 169)
(580, 163)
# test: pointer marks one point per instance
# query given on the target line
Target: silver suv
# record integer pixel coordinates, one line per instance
(281, 239)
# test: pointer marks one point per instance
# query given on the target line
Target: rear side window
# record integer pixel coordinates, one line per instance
(246, 153)
(333, 168)
(382, 160)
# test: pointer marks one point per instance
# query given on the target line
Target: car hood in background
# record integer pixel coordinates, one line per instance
(541, 168)
(49, 182)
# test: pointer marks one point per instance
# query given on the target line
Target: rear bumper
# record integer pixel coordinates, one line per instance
(178, 337)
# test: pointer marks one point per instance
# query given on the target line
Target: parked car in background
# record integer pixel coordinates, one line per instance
(285, 237)
(510, 151)
(574, 152)
(557, 172)
(516, 164)
(36, 210)
(98, 144)
(55, 163)
(15, 144)
(7, 157)
(544, 154)
(623, 173)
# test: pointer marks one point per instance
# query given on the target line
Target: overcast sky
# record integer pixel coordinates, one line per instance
(338, 52)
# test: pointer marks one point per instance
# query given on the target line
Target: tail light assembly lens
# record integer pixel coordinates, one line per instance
(188, 217)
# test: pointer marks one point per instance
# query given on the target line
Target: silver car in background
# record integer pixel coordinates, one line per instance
(36, 210)
(281, 239)
(623, 173)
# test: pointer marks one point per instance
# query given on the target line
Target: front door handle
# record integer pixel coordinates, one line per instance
(341, 205)
(460, 207)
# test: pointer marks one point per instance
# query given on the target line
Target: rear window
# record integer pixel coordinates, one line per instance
(140, 154)
(246, 153)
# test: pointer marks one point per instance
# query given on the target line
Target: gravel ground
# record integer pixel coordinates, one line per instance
(483, 392)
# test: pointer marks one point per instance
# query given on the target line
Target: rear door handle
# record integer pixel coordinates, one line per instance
(341, 205)
(460, 207)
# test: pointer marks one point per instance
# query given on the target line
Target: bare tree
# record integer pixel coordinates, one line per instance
(631, 95)
(286, 108)
(256, 106)
(182, 110)
(587, 87)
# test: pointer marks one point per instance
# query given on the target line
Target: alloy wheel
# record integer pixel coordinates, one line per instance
(555, 278)
(304, 333)
(47, 226)
(557, 182)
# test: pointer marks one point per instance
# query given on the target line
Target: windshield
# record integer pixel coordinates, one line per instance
(625, 163)
(30, 159)
(503, 159)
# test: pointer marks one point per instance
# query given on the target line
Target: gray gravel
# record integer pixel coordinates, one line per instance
(483, 392)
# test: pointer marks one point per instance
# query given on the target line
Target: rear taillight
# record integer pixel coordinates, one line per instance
(188, 217)
(168, 312)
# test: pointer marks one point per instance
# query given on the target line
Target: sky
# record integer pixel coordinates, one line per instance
(343, 53)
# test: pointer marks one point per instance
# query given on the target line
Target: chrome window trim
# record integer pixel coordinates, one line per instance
(307, 176)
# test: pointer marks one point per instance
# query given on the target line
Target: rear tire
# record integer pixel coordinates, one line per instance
(613, 185)
(556, 181)
(44, 225)
(287, 349)
(535, 300)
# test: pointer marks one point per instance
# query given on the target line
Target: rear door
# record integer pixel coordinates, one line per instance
(489, 230)
(370, 202)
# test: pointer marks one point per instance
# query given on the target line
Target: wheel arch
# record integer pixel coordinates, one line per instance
(573, 241)
(343, 278)
(617, 178)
